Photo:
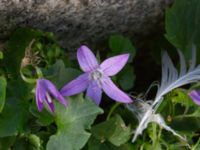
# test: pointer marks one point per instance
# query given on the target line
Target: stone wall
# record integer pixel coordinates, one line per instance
(83, 21)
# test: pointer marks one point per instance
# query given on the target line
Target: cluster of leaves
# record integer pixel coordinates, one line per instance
(22, 127)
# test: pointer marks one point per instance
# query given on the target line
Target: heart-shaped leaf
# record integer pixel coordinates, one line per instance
(72, 123)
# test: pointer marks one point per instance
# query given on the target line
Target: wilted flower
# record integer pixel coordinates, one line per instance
(45, 91)
(195, 95)
(97, 77)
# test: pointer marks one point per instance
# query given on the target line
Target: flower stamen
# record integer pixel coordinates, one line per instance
(96, 75)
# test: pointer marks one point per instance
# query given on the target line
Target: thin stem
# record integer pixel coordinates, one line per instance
(197, 85)
(142, 147)
(112, 110)
(196, 145)
(39, 72)
(26, 79)
(154, 135)
(184, 116)
(159, 133)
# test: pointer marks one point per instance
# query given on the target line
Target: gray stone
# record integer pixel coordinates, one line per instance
(75, 22)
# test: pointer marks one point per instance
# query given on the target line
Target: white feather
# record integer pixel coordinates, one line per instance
(171, 79)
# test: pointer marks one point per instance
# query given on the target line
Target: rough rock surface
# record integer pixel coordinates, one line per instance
(82, 21)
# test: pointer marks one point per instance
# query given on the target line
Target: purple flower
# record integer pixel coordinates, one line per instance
(97, 77)
(195, 95)
(45, 91)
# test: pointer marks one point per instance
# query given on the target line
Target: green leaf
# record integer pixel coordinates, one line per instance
(186, 124)
(27, 142)
(181, 96)
(20, 144)
(175, 103)
(119, 44)
(15, 113)
(61, 75)
(22, 93)
(6, 142)
(113, 130)
(44, 118)
(126, 78)
(72, 123)
(96, 144)
(3, 84)
(183, 25)
(35, 142)
(13, 117)
(1, 55)
(183, 114)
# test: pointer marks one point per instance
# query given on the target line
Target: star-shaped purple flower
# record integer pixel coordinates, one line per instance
(195, 95)
(97, 77)
(45, 91)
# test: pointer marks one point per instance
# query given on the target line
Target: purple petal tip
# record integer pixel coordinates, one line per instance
(86, 59)
(114, 92)
(195, 95)
(113, 65)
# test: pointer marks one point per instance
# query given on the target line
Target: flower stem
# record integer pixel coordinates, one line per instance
(39, 72)
(26, 79)
(112, 110)
(196, 145)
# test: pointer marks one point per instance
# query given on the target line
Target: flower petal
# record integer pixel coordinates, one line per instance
(52, 90)
(86, 59)
(41, 89)
(195, 95)
(40, 94)
(113, 65)
(38, 100)
(62, 100)
(114, 92)
(94, 92)
(49, 103)
(76, 86)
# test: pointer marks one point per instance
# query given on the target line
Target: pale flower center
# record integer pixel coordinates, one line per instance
(96, 75)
